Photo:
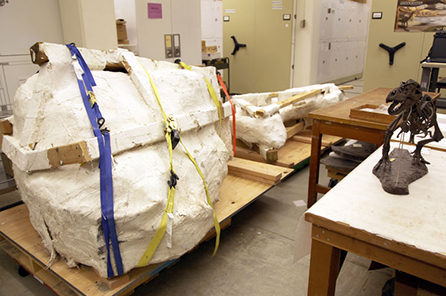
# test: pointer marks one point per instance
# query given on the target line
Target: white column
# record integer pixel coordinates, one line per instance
(89, 23)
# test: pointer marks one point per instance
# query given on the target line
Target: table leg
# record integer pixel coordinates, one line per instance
(425, 78)
(324, 269)
(316, 141)
(433, 80)
(405, 284)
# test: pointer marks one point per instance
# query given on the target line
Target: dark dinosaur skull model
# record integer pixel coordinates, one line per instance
(416, 114)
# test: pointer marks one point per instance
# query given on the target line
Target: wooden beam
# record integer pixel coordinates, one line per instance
(299, 97)
(38, 55)
(69, 154)
(287, 102)
(5, 126)
(254, 171)
(344, 87)
(292, 130)
(307, 140)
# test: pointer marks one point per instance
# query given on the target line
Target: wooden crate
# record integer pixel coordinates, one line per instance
(359, 113)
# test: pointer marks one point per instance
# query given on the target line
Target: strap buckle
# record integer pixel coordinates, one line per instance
(173, 179)
(92, 98)
(171, 127)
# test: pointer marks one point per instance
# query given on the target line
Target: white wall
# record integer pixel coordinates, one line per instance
(125, 9)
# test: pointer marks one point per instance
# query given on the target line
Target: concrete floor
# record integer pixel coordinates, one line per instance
(255, 255)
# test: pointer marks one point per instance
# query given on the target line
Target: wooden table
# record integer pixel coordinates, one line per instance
(335, 120)
(405, 232)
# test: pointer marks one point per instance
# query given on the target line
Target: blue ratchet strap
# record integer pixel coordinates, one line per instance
(105, 166)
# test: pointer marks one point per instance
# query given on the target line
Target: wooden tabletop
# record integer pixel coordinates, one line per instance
(413, 225)
(340, 112)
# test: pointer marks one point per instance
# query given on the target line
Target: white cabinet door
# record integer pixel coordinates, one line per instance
(14, 71)
(178, 17)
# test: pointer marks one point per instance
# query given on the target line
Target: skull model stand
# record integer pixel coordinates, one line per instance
(416, 113)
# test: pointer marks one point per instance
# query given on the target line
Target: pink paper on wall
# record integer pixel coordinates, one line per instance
(155, 10)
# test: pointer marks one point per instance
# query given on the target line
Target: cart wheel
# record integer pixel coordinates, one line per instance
(332, 183)
(22, 271)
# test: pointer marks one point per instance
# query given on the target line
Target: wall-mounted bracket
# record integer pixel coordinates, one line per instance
(392, 50)
(236, 45)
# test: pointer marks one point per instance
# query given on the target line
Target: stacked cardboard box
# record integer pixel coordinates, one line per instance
(122, 31)
(207, 49)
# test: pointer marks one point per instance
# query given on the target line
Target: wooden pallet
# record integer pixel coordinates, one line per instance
(297, 149)
(22, 243)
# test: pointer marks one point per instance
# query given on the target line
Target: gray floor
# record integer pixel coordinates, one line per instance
(255, 255)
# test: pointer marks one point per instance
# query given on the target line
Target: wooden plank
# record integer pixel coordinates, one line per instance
(291, 100)
(7, 165)
(291, 131)
(69, 154)
(254, 170)
(359, 113)
(307, 140)
(5, 126)
(345, 87)
(114, 282)
(245, 153)
(54, 283)
(298, 98)
(335, 174)
(235, 194)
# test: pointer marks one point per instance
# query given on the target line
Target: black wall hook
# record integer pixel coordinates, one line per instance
(392, 50)
(236, 45)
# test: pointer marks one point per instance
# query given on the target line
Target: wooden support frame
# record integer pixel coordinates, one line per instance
(329, 238)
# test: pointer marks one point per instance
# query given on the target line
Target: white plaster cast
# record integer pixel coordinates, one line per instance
(64, 202)
(269, 130)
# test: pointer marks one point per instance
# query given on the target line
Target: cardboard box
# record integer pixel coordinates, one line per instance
(210, 49)
(203, 46)
(121, 29)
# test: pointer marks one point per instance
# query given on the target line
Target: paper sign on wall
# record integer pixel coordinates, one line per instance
(155, 10)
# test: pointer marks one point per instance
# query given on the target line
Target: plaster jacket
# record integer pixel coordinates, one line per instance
(268, 129)
(64, 199)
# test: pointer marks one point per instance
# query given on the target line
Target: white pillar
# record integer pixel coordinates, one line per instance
(89, 23)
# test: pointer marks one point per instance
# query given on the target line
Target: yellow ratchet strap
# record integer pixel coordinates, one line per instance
(210, 90)
(156, 240)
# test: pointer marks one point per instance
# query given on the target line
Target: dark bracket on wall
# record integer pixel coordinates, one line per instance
(236, 45)
(392, 50)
